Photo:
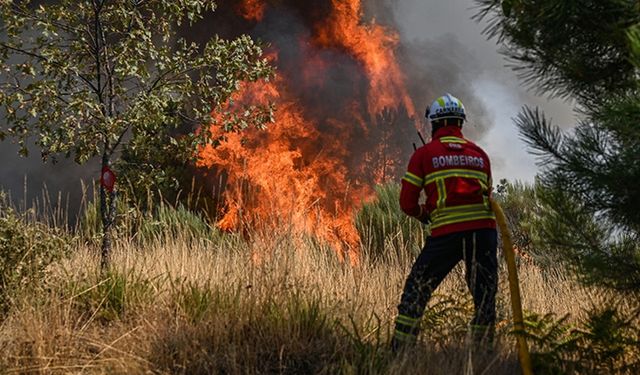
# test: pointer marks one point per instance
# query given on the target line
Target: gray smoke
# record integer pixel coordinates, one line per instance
(432, 67)
(28, 179)
(462, 61)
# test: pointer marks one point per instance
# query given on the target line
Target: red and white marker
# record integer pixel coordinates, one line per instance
(108, 179)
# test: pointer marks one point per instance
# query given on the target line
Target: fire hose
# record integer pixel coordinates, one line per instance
(514, 287)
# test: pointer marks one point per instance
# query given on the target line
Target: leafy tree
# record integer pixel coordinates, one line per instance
(586, 50)
(91, 78)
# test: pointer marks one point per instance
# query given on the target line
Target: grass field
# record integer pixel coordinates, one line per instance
(269, 305)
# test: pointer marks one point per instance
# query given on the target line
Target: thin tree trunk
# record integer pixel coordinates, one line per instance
(107, 198)
(108, 215)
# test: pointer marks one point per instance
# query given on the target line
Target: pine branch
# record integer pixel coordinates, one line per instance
(541, 136)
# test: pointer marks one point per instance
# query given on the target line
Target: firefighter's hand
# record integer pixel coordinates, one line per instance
(424, 216)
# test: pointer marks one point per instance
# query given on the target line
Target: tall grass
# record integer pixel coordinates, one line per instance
(261, 306)
(154, 223)
(385, 231)
(273, 304)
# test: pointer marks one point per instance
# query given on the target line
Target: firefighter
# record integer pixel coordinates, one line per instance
(455, 175)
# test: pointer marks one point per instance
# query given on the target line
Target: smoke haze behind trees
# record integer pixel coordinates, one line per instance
(440, 51)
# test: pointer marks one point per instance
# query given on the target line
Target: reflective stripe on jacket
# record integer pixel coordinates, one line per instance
(455, 174)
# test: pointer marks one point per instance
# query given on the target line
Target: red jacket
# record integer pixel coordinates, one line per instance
(456, 177)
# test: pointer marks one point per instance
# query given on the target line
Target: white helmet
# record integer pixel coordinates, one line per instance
(447, 106)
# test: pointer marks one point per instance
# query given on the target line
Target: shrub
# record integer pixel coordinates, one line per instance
(172, 221)
(606, 341)
(27, 248)
(526, 215)
(113, 295)
(384, 228)
(158, 222)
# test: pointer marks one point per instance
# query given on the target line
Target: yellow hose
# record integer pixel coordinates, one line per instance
(514, 287)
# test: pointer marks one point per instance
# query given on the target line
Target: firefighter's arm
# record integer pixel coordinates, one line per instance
(412, 183)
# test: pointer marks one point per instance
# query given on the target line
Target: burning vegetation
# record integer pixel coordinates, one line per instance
(343, 122)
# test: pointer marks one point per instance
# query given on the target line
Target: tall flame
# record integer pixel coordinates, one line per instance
(374, 46)
(314, 166)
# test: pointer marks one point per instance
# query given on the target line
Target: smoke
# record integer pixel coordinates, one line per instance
(429, 78)
(441, 50)
(435, 62)
(492, 92)
(29, 179)
(431, 67)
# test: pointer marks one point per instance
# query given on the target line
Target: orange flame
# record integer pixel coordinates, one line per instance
(295, 173)
(373, 45)
(298, 175)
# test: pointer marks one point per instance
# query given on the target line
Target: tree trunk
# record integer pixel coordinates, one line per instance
(108, 216)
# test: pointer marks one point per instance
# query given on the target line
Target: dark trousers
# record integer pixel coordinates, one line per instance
(440, 255)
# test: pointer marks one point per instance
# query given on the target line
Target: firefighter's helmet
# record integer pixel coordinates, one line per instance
(445, 107)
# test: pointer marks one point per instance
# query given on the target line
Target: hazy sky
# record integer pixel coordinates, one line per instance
(496, 85)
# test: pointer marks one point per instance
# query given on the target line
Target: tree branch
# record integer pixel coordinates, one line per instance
(23, 51)
(42, 58)
(31, 16)
(119, 140)
(158, 79)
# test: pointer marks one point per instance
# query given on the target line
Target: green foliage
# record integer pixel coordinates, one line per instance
(447, 316)
(604, 342)
(169, 222)
(595, 248)
(596, 163)
(526, 214)
(26, 250)
(302, 316)
(89, 225)
(589, 187)
(194, 301)
(159, 222)
(383, 227)
(109, 78)
(157, 169)
(367, 349)
(521, 207)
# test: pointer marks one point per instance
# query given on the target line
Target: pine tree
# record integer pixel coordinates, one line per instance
(587, 51)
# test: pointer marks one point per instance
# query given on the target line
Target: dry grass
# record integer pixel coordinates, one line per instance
(270, 305)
